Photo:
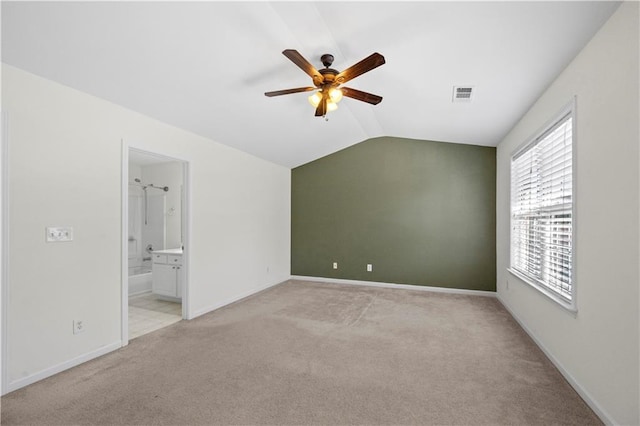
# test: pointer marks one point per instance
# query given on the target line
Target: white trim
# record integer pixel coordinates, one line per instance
(234, 299)
(400, 286)
(586, 396)
(568, 109)
(186, 238)
(3, 229)
(574, 200)
(4, 247)
(48, 372)
(543, 290)
(124, 250)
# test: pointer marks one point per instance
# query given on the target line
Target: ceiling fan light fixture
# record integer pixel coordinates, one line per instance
(331, 106)
(335, 95)
(315, 99)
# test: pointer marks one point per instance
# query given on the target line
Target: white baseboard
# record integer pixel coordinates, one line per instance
(402, 286)
(233, 299)
(48, 372)
(591, 402)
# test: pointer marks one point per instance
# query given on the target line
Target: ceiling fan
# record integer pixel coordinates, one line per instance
(329, 81)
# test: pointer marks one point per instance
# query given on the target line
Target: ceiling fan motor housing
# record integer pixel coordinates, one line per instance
(329, 77)
(328, 74)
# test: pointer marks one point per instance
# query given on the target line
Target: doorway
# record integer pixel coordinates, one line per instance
(155, 282)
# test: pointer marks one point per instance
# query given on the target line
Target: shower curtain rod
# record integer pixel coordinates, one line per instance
(138, 182)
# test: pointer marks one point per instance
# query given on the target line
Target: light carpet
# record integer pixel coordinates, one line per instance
(315, 353)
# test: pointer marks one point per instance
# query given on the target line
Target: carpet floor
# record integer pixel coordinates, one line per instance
(315, 353)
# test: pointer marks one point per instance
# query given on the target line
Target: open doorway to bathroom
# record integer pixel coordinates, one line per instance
(155, 242)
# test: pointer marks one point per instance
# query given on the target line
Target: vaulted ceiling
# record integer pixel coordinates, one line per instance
(204, 66)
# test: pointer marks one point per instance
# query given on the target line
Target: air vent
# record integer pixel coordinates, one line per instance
(462, 93)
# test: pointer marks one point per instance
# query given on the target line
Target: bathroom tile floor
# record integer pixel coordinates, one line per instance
(147, 314)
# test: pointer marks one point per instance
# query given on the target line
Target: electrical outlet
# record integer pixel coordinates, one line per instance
(507, 284)
(78, 326)
(369, 267)
(335, 265)
(59, 234)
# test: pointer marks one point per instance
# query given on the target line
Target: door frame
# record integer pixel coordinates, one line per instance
(4, 251)
(186, 231)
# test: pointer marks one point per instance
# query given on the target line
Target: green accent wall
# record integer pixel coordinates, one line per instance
(420, 212)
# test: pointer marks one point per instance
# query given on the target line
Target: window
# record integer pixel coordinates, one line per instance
(542, 211)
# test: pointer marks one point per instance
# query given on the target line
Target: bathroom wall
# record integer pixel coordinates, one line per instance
(65, 168)
(135, 243)
(152, 220)
(167, 174)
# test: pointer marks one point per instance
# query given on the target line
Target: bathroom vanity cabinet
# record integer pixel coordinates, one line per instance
(167, 273)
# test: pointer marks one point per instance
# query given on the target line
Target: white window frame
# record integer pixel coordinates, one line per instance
(572, 305)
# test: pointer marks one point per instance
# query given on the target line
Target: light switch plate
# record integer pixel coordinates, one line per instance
(59, 234)
(78, 326)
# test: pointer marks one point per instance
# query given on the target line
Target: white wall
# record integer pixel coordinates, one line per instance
(65, 169)
(167, 174)
(597, 348)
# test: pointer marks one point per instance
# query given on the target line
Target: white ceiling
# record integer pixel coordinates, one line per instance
(204, 66)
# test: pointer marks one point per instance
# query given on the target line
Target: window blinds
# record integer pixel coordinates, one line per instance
(541, 210)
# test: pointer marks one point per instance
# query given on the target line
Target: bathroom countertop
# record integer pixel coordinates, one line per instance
(168, 251)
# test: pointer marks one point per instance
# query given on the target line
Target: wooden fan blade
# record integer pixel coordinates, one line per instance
(288, 91)
(365, 65)
(361, 96)
(321, 110)
(295, 57)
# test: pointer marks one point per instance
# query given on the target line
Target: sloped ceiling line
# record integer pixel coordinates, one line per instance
(204, 66)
